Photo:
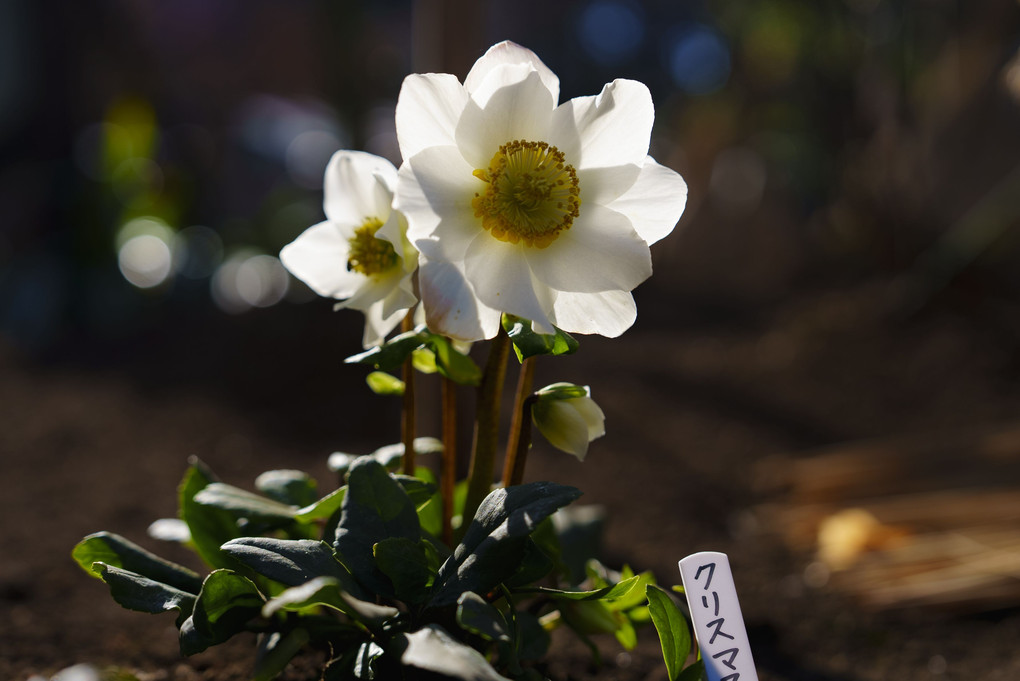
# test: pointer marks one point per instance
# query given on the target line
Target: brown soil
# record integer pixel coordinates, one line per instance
(96, 434)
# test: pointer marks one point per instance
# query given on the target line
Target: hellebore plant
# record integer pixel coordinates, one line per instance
(519, 221)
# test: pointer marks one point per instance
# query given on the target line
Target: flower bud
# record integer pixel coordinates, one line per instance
(568, 417)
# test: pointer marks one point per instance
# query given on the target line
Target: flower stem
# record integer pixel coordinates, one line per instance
(520, 427)
(483, 453)
(448, 470)
(407, 423)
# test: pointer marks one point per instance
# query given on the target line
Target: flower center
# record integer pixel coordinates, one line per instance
(370, 255)
(531, 194)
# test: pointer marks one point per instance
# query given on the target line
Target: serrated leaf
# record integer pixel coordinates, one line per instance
(376, 508)
(389, 355)
(382, 383)
(135, 592)
(674, 637)
(606, 593)
(406, 564)
(244, 504)
(291, 561)
(493, 545)
(289, 487)
(480, 618)
(224, 606)
(116, 551)
(276, 650)
(453, 364)
(209, 526)
(527, 343)
(433, 649)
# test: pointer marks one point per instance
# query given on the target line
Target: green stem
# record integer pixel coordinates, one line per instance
(448, 470)
(520, 428)
(407, 423)
(483, 453)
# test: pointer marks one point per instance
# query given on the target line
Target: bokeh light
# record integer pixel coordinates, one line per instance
(699, 59)
(611, 31)
(145, 260)
(197, 251)
(248, 279)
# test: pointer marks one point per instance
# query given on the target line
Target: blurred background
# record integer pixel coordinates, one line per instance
(846, 272)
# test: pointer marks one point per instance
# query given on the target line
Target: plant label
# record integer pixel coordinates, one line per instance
(718, 624)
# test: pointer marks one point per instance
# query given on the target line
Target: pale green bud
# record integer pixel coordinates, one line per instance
(568, 417)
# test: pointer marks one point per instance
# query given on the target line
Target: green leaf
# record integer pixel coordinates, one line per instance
(451, 363)
(696, 672)
(327, 591)
(389, 355)
(430, 511)
(626, 634)
(527, 343)
(135, 592)
(290, 561)
(563, 391)
(382, 383)
(636, 596)
(532, 639)
(605, 593)
(433, 649)
(406, 564)
(210, 527)
(418, 490)
(323, 508)
(275, 652)
(669, 622)
(225, 605)
(244, 504)
(116, 551)
(535, 564)
(480, 618)
(590, 617)
(389, 456)
(375, 508)
(493, 546)
(294, 488)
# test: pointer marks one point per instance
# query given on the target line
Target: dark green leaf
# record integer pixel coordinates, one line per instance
(389, 456)
(430, 511)
(375, 508)
(696, 672)
(389, 355)
(275, 652)
(418, 490)
(451, 363)
(290, 561)
(532, 638)
(480, 618)
(319, 591)
(535, 565)
(225, 605)
(669, 622)
(116, 551)
(135, 592)
(244, 504)
(382, 383)
(210, 527)
(406, 564)
(494, 543)
(323, 508)
(432, 649)
(579, 530)
(527, 343)
(294, 488)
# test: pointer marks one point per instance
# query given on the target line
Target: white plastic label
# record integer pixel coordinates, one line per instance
(718, 624)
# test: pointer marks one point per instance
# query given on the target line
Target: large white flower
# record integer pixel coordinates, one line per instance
(360, 254)
(522, 206)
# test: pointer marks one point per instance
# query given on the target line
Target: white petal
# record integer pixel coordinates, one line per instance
(508, 52)
(451, 307)
(378, 325)
(592, 415)
(520, 107)
(654, 202)
(358, 186)
(427, 111)
(603, 185)
(502, 279)
(600, 252)
(434, 192)
(318, 257)
(610, 129)
(607, 314)
(563, 426)
(395, 231)
(374, 289)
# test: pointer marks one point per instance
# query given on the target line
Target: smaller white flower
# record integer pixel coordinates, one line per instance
(360, 254)
(568, 417)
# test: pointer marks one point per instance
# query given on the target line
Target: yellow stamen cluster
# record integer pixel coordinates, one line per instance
(532, 194)
(370, 255)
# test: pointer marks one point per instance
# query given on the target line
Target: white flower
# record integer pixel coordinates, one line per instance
(522, 206)
(360, 254)
(568, 417)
